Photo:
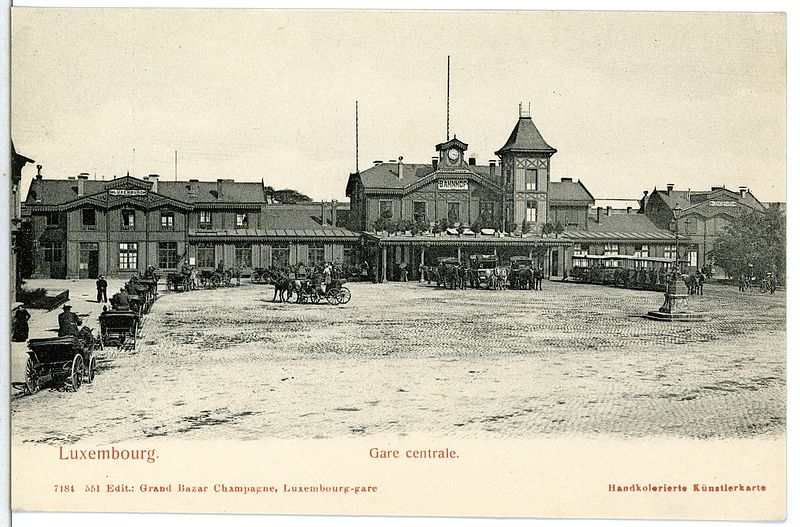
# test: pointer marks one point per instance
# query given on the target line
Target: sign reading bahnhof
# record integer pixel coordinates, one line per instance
(453, 184)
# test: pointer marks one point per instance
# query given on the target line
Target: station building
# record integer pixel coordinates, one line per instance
(507, 207)
(83, 228)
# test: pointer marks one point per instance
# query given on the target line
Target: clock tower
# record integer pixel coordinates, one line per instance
(451, 154)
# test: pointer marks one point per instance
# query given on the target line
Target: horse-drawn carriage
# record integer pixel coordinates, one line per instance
(482, 267)
(522, 274)
(213, 278)
(634, 272)
(119, 328)
(68, 360)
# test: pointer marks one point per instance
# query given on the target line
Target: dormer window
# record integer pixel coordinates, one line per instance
(128, 220)
(241, 220)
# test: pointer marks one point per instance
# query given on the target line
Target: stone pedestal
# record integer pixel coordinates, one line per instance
(676, 305)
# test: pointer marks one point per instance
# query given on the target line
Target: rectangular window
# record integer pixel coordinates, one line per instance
(641, 251)
(385, 208)
(128, 220)
(316, 254)
(168, 255)
(670, 252)
(280, 255)
(508, 178)
(167, 221)
(204, 220)
(611, 249)
(243, 255)
(420, 211)
(205, 255)
(128, 256)
(53, 252)
(580, 249)
(530, 211)
(89, 219)
(530, 178)
(487, 211)
(453, 212)
(52, 218)
(241, 220)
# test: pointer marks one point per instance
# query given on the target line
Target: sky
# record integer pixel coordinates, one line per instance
(631, 101)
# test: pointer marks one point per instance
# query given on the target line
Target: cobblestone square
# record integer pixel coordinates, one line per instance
(572, 360)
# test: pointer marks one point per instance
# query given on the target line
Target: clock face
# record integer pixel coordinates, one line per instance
(452, 154)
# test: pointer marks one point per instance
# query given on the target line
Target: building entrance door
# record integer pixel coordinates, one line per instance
(89, 262)
(554, 269)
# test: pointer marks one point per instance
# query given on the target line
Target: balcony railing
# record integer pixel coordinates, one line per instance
(128, 228)
(88, 227)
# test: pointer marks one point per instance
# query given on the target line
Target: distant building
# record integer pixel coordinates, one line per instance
(18, 162)
(700, 215)
(84, 228)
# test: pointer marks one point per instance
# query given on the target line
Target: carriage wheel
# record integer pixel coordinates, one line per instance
(91, 370)
(215, 281)
(255, 277)
(31, 378)
(315, 297)
(344, 295)
(76, 373)
(332, 297)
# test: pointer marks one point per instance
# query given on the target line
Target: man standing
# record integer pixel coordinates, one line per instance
(102, 288)
(68, 322)
(326, 273)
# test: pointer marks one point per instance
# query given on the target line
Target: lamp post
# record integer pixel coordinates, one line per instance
(674, 224)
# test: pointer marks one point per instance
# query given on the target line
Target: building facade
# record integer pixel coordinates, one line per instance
(84, 228)
(702, 216)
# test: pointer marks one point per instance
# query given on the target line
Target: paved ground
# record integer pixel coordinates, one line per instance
(401, 358)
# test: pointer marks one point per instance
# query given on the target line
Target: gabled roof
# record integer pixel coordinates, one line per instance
(566, 190)
(623, 222)
(385, 175)
(526, 138)
(47, 192)
(452, 143)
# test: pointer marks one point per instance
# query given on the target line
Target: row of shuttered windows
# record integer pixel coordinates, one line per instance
(128, 219)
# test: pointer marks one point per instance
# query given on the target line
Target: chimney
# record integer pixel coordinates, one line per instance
(38, 171)
(598, 215)
(435, 162)
(334, 207)
(219, 188)
(322, 212)
(194, 188)
(472, 161)
(670, 186)
(628, 209)
(377, 162)
(400, 167)
(492, 168)
(154, 179)
(82, 177)
(742, 191)
(566, 180)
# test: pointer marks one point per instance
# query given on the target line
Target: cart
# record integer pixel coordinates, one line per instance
(119, 329)
(66, 360)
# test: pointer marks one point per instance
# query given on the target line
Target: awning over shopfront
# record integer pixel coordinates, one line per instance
(258, 235)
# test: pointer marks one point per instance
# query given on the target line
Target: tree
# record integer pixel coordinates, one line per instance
(558, 228)
(548, 228)
(289, 196)
(753, 244)
(526, 226)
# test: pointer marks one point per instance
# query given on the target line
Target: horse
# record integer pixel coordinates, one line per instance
(284, 286)
(523, 278)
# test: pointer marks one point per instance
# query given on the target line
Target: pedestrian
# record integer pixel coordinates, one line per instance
(326, 274)
(102, 288)
(68, 322)
(701, 280)
(404, 272)
(20, 330)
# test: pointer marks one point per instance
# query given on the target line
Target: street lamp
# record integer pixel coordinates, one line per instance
(674, 223)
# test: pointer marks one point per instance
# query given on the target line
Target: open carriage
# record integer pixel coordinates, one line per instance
(67, 360)
(119, 328)
(337, 293)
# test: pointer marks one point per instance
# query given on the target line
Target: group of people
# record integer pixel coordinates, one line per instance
(769, 283)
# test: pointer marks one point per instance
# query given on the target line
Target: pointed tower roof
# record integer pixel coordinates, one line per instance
(526, 137)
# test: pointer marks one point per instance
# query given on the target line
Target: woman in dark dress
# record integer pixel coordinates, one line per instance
(21, 317)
